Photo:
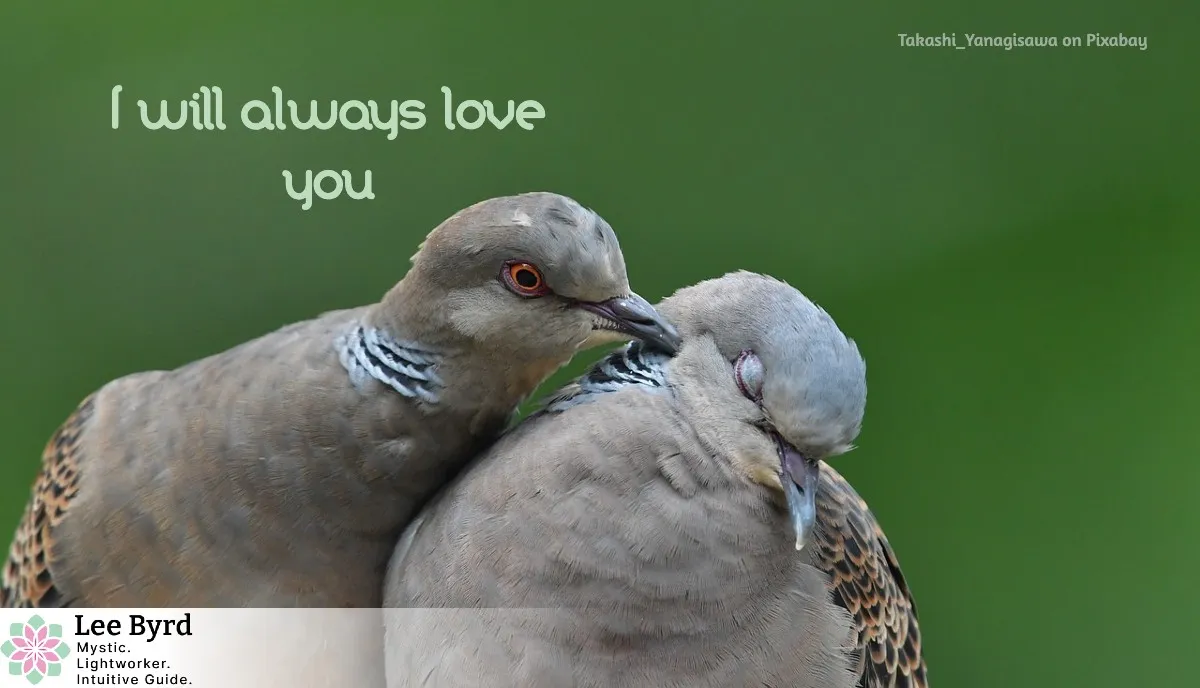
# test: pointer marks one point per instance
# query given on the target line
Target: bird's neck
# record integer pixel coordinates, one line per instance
(415, 321)
(425, 410)
(416, 311)
(631, 365)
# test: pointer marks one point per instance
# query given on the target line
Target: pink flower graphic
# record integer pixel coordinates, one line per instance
(35, 649)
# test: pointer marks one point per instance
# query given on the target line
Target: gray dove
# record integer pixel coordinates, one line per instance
(280, 472)
(643, 528)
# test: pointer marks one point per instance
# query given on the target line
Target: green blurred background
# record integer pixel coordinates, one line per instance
(1010, 236)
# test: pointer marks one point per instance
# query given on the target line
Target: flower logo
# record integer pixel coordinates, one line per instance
(35, 649)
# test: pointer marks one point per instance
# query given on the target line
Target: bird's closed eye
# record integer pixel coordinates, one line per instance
(748, 371)
(523, 279)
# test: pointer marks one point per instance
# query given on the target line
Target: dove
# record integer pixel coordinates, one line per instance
(666, 521)
(280, 472)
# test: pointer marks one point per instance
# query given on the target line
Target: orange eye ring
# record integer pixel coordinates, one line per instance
(523, 279)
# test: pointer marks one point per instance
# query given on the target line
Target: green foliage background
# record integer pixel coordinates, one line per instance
(1010, 236)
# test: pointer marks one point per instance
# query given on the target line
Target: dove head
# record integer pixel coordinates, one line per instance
(536, 275)
(771, 382)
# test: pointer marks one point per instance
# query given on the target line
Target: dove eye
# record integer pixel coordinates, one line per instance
(748, 371)
(523, 279)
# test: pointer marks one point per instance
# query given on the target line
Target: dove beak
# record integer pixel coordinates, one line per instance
(799, 476)
(634, 316)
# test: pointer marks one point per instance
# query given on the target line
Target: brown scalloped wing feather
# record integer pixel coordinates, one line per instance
(27, 579)
(866, 580)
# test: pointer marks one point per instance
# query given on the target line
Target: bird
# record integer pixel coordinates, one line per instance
(280, 472)
(667, 521)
